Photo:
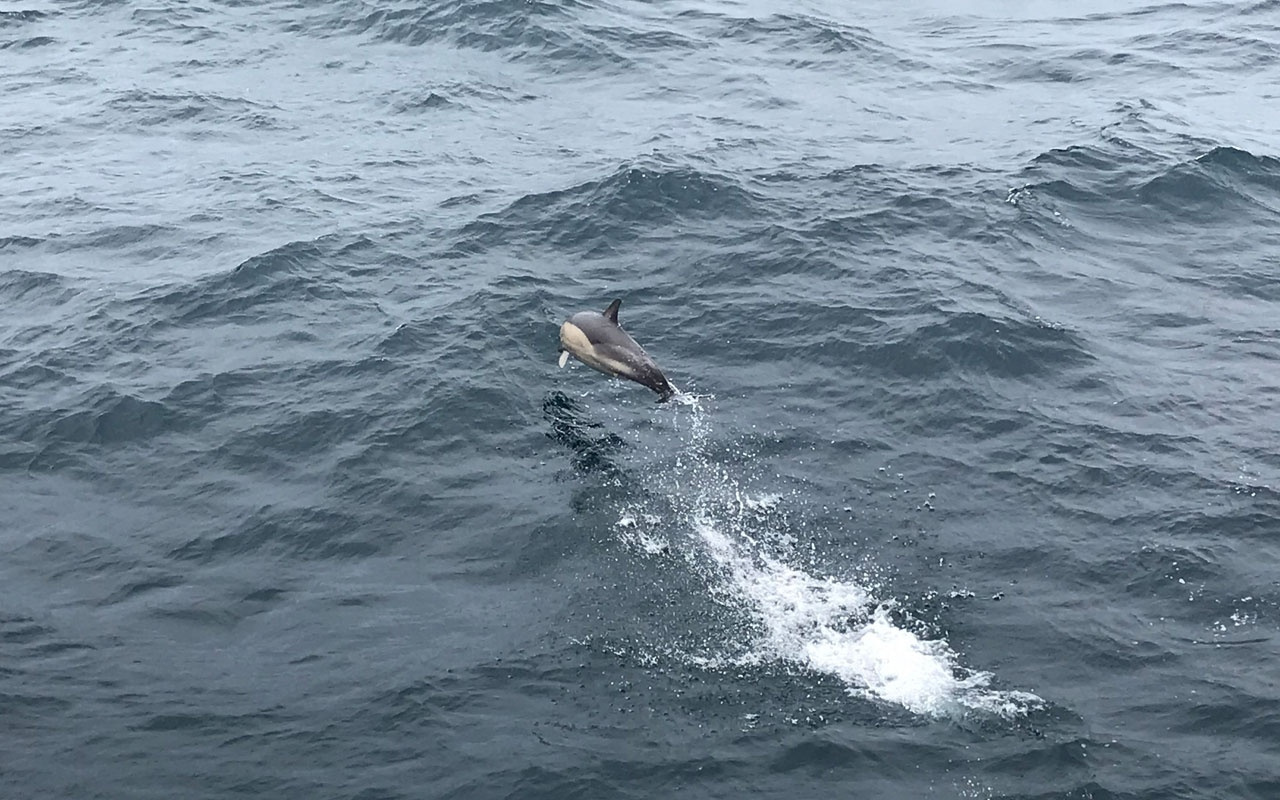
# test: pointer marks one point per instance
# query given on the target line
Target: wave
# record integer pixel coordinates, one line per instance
(1219, 185)
(1089, 64)
(103, 415)
(803, 39)
(633, 201)
(18, 241)
(287, 275)
(28, 44)
(452, 95)
(12, 18)
(178, 21)
(580, 37)
(524, 29)
(966, 343)
(1225, 52)
(1113, 181)
(20, 285)
(796, 31)
(139, 107)
(307, 533)
(972, 342)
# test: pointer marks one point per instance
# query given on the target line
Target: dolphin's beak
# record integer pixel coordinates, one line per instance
(564, 358)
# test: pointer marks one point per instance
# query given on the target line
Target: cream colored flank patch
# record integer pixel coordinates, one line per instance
(574, 340)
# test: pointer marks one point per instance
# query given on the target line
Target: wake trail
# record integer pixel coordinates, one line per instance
(831, 625)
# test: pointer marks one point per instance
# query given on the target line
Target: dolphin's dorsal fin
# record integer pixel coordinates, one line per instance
(611, 313)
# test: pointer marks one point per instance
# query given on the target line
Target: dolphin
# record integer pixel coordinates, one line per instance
(598, 341)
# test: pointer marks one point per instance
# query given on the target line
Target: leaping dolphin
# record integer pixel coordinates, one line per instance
(598, 341)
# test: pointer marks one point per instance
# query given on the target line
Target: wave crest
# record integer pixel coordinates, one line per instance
(630, 202)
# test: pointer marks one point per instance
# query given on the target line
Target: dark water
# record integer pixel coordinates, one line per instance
(978, 497)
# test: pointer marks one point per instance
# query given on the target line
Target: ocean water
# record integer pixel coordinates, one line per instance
(975, 494)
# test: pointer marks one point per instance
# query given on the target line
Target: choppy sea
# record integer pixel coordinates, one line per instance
(976, 492)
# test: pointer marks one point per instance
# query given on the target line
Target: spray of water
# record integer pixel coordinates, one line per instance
(829, 625)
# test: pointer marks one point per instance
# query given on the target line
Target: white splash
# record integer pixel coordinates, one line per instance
(828, 625)
(636, 530)
(839, 628)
